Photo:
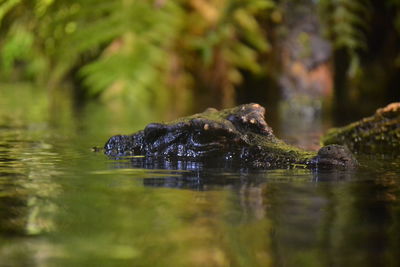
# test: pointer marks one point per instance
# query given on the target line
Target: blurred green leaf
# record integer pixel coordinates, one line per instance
(134, 49)
(6, 6)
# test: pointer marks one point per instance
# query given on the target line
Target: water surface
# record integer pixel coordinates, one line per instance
(63, 205)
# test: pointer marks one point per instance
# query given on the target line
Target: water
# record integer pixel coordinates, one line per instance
(63, 205)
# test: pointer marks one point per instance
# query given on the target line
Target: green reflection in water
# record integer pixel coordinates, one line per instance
(63, 205)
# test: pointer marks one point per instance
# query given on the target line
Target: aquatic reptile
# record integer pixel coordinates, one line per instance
(377, 134)
(239, 134)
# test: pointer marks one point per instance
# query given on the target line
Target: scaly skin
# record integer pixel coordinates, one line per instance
(237, 134)
(378, 134)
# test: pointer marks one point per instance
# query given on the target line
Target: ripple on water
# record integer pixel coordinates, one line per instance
(61, 204)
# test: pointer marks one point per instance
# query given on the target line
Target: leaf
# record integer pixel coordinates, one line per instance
(6, 6)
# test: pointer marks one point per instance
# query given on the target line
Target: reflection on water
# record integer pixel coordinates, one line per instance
(26, 168)
(62, 205)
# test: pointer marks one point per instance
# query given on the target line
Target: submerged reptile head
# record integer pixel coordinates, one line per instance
(239, 133)
(205, 134)
(333, 156)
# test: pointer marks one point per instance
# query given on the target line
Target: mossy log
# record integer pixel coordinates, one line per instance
(377, 134)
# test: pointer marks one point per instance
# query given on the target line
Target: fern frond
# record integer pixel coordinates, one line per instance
(143, 34)
(347, 22)
(129, 42)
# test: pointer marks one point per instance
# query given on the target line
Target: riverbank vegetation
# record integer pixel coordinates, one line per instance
(174, 57)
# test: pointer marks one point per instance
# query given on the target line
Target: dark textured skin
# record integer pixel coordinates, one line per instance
(335, 155)
(239, 134)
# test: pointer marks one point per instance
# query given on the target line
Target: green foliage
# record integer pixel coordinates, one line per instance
(16, 47)
(134, 38)
(348, 20)
(140, 51)
(6, 6)
(347, 23)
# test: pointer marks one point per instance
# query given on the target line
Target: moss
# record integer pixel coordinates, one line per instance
(253, 114)
(240, 134)
(379, 133)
